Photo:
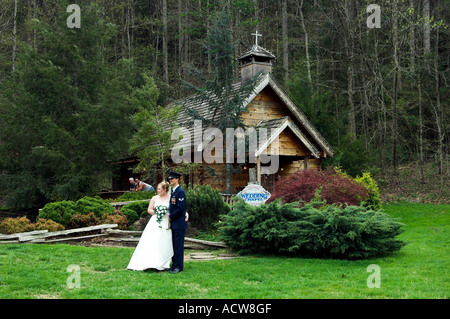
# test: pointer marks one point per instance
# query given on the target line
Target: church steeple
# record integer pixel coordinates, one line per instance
(256, 60)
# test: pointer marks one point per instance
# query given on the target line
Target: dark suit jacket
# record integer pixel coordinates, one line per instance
(177, 209)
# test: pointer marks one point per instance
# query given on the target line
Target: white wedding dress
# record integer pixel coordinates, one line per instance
(154, 249)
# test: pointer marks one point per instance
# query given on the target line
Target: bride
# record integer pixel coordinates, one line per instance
(155, 249)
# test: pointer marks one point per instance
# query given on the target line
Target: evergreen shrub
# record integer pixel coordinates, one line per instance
(204, 205)
(60, 212)
(131, 215)
(98, 206)
(131, 196)
(135, 210)
(63, 211)
(342, 232)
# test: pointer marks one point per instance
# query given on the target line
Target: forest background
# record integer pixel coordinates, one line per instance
(379, 96)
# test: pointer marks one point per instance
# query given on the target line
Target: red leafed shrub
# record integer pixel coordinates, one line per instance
(302, 185)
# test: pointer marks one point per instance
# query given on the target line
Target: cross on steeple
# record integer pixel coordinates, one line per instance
(256, 37)
(255, 60)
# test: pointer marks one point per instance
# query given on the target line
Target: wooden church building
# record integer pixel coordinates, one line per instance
(300, 144)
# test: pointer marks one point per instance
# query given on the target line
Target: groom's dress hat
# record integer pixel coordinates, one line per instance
(173, 175)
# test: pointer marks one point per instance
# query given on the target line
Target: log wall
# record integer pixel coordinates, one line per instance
(265, 106)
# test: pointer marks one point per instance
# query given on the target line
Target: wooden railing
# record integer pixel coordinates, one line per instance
(228, 198)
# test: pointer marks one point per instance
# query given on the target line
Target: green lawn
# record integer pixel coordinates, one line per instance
(419, 270)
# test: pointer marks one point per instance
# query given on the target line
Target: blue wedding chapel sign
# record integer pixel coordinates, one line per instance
(254, 194)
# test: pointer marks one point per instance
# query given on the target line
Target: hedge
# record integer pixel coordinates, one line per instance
(343, 232)
(204, 205)
(62, 212)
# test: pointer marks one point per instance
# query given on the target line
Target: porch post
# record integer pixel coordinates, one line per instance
(258, 169)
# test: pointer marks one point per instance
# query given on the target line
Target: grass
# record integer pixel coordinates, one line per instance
(419, 270)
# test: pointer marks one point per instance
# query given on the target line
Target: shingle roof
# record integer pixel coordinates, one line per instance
(201, 108)
(257, 50)
(192, 105)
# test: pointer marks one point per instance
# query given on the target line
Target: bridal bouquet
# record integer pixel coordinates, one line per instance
(160, 211)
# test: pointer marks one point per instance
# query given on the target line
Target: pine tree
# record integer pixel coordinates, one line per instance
(151, 143)
(225, 101)
(66, 114)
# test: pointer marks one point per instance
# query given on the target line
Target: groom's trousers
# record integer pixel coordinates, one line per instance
(178, 248)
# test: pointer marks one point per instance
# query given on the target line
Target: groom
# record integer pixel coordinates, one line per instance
(177, 213)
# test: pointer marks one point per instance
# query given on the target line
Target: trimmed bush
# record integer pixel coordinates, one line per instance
(83, 220)
(115, 217)
(350, 232)
(204, 205)
(130, 214)
(135, 210)
(98, 206)
(131, 196)
(48, 224)
(23, 224)
(62, 212)
(335, 189)
(16, 225)
(59, 212)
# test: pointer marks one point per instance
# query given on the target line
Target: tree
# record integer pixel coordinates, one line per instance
(66, 113)
(152, 141)
(426, 27)
(14, 37)
(284, 18)
(394, 80)
(308, 62)
(225, 102)
(438, 109)
(165, 41)
(396, 84)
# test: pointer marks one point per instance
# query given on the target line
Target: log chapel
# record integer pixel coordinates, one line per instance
(299, 144)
